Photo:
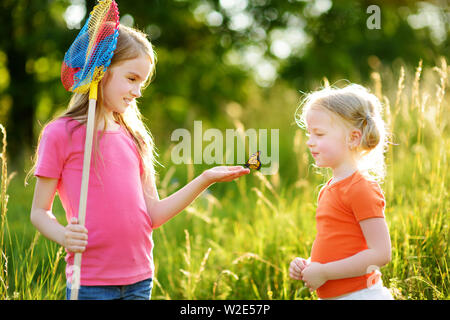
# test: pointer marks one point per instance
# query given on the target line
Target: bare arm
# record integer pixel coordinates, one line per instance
(41, 210)
(73, 236)
(161, 211)
(378, 254)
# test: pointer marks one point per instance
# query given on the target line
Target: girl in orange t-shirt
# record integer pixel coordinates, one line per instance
(347, 134)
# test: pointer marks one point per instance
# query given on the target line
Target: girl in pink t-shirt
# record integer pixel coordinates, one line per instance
(123, 205)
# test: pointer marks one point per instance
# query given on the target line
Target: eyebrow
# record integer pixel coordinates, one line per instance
(315, 129)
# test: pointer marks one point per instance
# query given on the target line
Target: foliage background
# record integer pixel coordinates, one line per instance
(243, 64)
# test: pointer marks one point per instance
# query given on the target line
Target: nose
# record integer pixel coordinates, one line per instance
(310, 142)
(136, 92)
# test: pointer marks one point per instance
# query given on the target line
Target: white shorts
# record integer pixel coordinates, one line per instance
(375, 292)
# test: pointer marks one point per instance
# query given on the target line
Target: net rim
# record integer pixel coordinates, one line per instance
(79, 86)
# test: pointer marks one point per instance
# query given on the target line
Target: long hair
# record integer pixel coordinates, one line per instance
(131, 43)
(355, 107)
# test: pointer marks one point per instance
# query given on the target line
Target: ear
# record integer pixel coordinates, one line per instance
(106, 76)
(354, 138)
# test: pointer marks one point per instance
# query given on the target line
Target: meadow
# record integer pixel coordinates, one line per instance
(237, 239)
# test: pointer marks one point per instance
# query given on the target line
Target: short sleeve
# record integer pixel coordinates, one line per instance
(367, 200)
(51, 152)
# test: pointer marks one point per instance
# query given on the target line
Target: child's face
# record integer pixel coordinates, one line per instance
(123, 83)
(326, 139)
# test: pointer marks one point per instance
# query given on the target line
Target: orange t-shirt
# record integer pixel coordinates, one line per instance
(341, 206)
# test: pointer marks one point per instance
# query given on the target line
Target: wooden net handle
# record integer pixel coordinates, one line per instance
(83, 194)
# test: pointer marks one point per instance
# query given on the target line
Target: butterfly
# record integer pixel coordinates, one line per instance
(253, 162)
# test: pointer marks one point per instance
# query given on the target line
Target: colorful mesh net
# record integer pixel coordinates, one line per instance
(90, 54)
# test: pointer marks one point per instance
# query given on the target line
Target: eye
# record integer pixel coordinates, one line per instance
(132, 79)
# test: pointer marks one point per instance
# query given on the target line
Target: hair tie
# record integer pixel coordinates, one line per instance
(367, 118)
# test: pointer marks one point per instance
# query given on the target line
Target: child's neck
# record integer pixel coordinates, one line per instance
(343, 171)
(111, 123)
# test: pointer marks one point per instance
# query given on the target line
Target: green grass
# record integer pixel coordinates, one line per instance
(236, 241)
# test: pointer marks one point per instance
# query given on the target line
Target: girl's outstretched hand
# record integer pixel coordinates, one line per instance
(225, 173)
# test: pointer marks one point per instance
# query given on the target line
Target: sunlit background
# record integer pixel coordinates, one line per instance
(241, 64)
(212, 54)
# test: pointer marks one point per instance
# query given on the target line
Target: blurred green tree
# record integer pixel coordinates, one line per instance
(211, 52)
(32, 36)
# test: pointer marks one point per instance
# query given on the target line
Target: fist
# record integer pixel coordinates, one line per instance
(296, 268)
(75, 237)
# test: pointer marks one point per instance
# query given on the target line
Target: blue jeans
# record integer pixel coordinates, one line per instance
(141, 290)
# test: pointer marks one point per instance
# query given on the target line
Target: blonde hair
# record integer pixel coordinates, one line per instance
(131, 44)
(357, 108)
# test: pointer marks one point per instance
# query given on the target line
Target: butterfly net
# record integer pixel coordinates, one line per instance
(90, 54)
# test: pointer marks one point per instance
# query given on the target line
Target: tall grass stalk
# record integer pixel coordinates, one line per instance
(4, 207)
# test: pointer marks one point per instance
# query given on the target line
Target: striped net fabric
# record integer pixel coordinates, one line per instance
(90, 54)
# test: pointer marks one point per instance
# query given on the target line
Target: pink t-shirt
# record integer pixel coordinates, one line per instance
(119, 249)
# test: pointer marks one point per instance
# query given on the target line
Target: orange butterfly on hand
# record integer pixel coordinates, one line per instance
(253, 162)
